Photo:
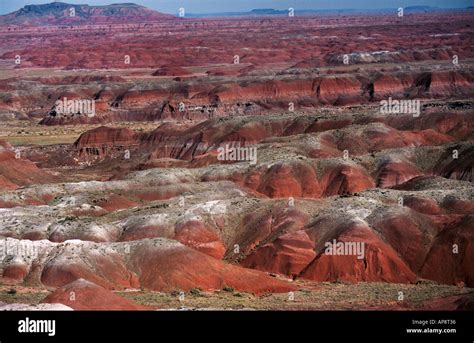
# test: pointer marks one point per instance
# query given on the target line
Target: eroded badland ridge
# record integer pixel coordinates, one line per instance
(276, 162)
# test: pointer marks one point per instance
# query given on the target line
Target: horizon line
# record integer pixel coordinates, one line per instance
(244, 12)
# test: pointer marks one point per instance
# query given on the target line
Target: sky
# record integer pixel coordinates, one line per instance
(217, 6)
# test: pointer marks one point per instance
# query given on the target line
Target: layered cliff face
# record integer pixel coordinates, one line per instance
(201, 99)
(207, 77)
(105, 141)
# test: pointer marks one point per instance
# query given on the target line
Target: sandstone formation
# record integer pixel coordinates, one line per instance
(255, 157)
(84, 295)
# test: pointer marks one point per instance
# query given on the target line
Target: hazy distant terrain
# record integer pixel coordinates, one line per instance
(265, 159)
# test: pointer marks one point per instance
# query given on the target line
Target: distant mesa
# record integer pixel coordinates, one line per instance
(268, 11)
(262, 12)
(420, 9)
(60, 13)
